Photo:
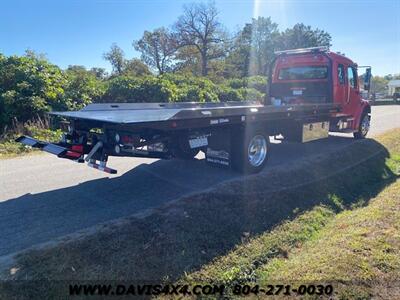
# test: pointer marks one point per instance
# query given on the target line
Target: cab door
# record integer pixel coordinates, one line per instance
(340, 86)
(352, 93)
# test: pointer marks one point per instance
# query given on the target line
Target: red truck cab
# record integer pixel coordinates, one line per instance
(317, 75)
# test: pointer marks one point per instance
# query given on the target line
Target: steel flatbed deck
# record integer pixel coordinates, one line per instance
(190, 115)
(225, 132)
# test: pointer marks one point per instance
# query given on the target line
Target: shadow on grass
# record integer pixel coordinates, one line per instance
(182, 236)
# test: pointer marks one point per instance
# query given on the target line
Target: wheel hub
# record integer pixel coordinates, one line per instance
(365, 125)
(257, 150)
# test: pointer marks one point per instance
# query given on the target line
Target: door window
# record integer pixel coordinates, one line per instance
(340, 72)
(351, 77)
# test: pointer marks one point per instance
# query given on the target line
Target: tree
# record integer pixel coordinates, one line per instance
(116, 57)
(188, 61)
(392, 77)
(199, 27)
(379, 84)
(254, 47)
(157, 49)
(75, 69)
(123, 66)
(136, 67)
(264, 36)
(302, 36)
(100, 73)
(82, 87)
(238, 60)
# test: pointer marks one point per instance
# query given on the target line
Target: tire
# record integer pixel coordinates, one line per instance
(363, 127)
(182, 149)
(250, 150)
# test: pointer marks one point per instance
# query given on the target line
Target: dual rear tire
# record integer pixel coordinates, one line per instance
(250, 150)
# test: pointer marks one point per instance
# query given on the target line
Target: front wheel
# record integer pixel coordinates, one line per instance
(250, 151)
(364, 127)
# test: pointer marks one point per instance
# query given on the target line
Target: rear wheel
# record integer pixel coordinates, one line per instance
(364, 126)
(250, 151)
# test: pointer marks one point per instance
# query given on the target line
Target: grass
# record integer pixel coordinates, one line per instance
(359, 250)
(356, 250)
(230, 234)
(240, 265)
(37, 129)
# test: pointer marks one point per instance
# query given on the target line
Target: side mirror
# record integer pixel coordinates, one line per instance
(367, 79)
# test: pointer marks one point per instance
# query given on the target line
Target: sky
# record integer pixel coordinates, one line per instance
(72, 32)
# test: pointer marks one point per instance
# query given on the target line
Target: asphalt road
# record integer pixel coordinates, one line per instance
(43, 198)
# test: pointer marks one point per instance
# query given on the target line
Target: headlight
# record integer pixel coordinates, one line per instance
(117, 137)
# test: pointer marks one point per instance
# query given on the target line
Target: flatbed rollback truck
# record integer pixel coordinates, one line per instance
(311, 92)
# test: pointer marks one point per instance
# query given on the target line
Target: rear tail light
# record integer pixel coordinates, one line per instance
(127, 139)
(73, 154)
(77, 148)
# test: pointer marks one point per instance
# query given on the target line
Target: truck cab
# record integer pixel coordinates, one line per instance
(317, 75)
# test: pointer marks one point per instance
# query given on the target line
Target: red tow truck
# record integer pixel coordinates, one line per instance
(311, 92)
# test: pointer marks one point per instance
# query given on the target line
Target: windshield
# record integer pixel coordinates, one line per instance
(306, 72)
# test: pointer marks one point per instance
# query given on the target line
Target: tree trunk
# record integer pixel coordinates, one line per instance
(204, 70)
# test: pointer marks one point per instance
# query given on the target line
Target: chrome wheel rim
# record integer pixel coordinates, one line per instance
(365, 124)
(257, 150)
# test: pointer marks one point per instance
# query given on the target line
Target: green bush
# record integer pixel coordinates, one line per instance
(8, 146)
(251, 94)
(194, 89)
(43, 134)
(256, 82)
(228, 94)
(177, 88)
(29, 86)
(140, 89)
(237, 83)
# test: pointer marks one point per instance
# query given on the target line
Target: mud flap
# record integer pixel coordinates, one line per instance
(219, 148)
